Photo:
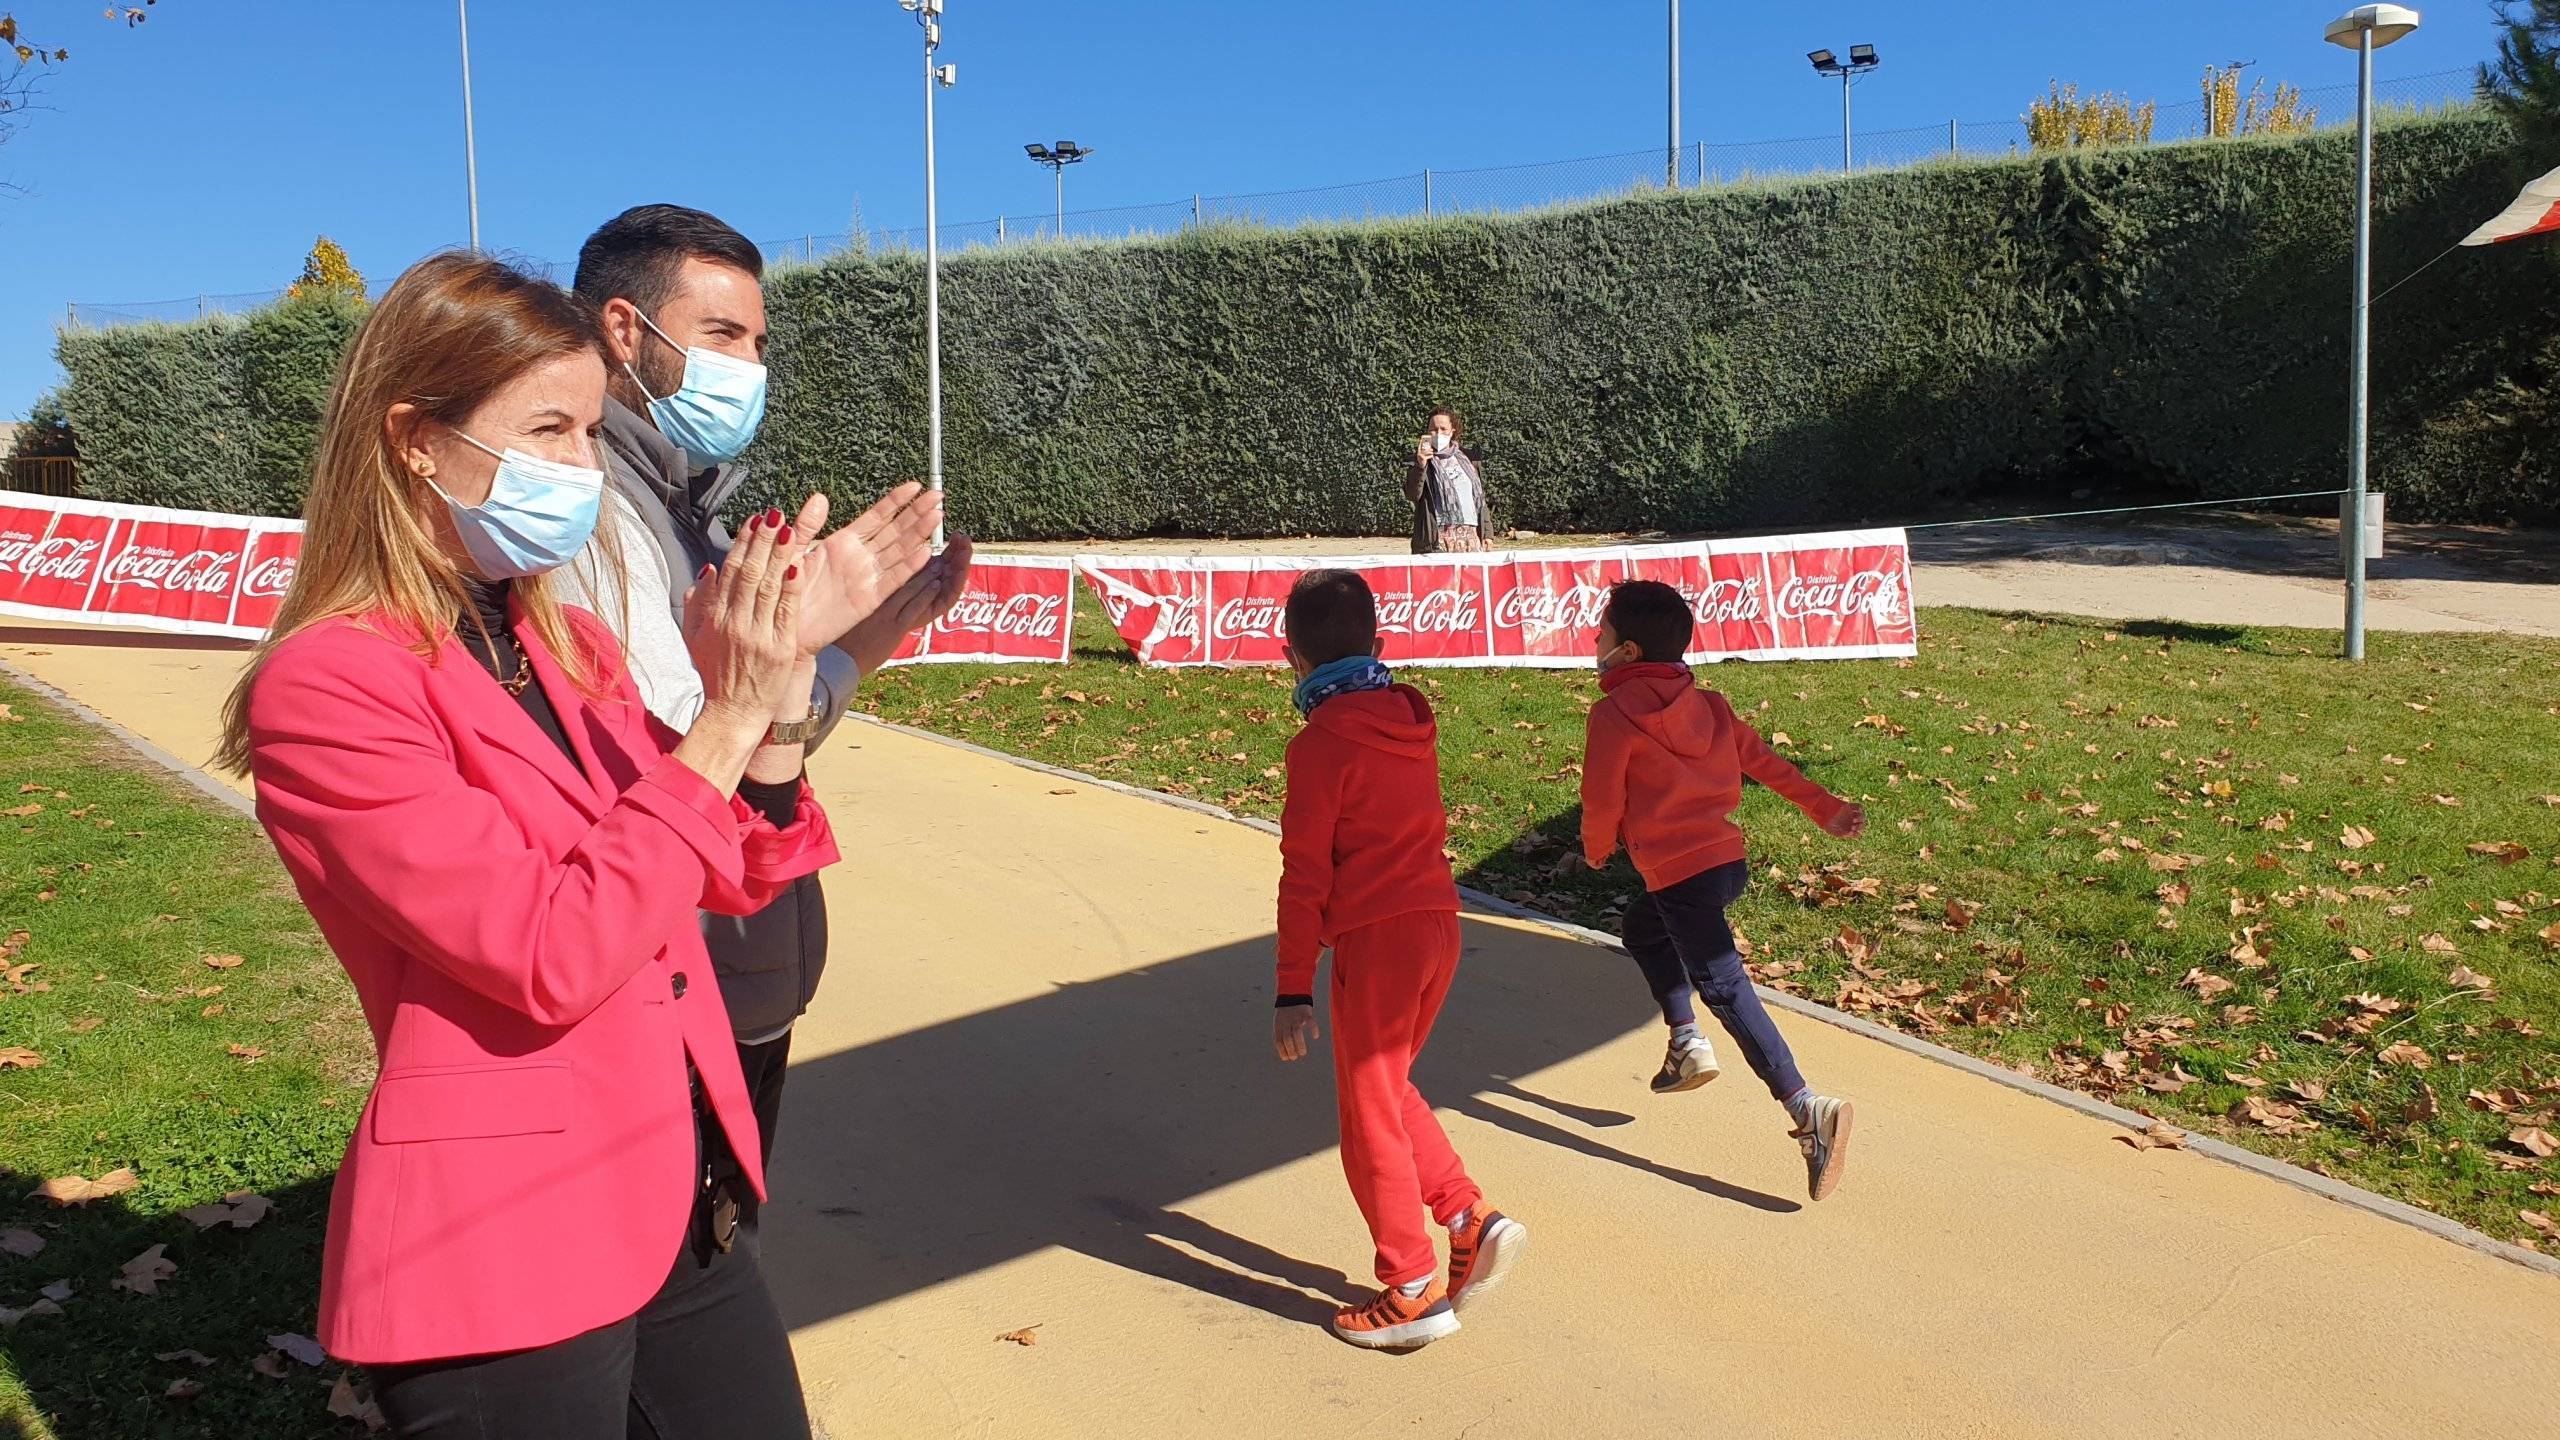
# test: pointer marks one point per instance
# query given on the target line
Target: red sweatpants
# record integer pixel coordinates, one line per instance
(1388, 981)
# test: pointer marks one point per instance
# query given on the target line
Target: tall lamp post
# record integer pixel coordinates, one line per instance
(1058, 158)
(928, 14)
(2365, 29)
(1862, 58)
(470, 148)
(1671, 156)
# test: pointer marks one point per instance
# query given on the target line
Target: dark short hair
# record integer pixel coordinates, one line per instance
(1455, 424)
(1653, 615)
(1331, 614)
(637, 254)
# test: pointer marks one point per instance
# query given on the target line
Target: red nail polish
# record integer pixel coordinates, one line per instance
(784, 538)
(773, 517)
(791, 574)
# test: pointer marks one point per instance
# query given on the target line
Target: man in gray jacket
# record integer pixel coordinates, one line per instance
(682, 301)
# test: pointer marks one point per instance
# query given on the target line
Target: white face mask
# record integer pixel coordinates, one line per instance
(1439, 441)
(538, 515)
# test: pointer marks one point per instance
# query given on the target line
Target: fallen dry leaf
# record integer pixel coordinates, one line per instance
(183, 1390)
(192, 1357)
(224, 962)
(300, 1347)
(74, 1190)
(346, 1404)
(2507, 852)
(1022, 1336)
(143, 1273)
(249, 1053)
(240, 1209)
(2355, 837)
(57, 1292)
(2534, 1140)
(9, 1318)
(2466, 978)
(269, 1364)
(19, 1057)
(2540, 1221)
(2205, 983)
(2311, 1090)
(21, 812)
(2401, 1052)
(21, 1243)
(2437, 944)
(2165, 1136)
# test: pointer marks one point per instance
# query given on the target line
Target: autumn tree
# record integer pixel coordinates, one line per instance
(23, 62)
(2523, 83)
(326, 271)
(2227, 112)
(2065, 120)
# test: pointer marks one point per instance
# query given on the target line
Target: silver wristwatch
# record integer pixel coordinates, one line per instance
(797, 732)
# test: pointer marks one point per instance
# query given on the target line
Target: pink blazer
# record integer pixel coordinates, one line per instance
(522, 935)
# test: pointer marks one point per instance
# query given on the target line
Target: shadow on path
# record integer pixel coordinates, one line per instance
(1086, 1117)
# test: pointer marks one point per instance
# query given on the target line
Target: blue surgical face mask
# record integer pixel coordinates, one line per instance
(538, 515)
(715, 411)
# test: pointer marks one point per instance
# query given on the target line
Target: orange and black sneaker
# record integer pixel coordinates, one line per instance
(1397, 1321)
(1482, 1253)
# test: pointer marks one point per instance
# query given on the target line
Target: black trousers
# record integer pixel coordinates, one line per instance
(764, 1066)
(706, 1359)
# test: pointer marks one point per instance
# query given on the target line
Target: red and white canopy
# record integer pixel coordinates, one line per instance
(2536, 212)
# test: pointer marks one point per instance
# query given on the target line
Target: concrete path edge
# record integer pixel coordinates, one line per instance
(2321, 1185)
(193, 775)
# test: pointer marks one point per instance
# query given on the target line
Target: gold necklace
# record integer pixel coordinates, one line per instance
(515, 684)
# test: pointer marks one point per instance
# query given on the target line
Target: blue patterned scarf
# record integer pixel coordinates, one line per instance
(1340, 677)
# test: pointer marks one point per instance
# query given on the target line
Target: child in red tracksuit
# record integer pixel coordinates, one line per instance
(1363, 871)
(1663, 765)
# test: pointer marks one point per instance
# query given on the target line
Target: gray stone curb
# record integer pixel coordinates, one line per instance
(153, 753)
(2205, 1145)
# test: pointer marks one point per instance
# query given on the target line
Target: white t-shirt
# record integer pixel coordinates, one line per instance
(641, 614)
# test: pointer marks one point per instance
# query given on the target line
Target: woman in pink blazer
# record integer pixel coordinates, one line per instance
(532, 1230)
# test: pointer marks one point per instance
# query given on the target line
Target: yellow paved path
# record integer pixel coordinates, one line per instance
(1037, 1091)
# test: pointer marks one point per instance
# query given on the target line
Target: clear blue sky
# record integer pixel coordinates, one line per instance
(201, 152)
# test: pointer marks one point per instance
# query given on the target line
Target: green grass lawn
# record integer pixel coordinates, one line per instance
(192, 1029)
(2210, 873)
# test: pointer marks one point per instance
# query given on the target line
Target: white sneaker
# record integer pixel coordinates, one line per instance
(1686, 1066)
(1825, 1144)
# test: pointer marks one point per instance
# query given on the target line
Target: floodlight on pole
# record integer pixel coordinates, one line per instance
(2365, 29)
(1862, 58)
(928, 14)
(1058, 158)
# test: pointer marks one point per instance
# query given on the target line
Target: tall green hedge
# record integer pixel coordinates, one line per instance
(2171, 319)
(216, 414)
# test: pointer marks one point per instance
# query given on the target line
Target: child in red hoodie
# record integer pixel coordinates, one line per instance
(1363, 870)
(1664, 763)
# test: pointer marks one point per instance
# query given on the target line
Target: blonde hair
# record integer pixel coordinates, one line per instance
(450, 332)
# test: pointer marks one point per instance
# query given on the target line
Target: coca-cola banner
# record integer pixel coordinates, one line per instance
(1017, 607)
(133, 565)
(1844, 595)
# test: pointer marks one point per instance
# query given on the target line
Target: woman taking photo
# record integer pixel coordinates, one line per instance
(532, 1231)
(1447, 490)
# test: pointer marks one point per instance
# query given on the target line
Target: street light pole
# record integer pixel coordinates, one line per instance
(928, 13)
(470, 147)
(2363, 30)
(1671, 155)
(1844, 122)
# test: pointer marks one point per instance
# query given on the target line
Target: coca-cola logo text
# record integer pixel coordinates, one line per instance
(1036, 616)
(1873, 593)
(1539, 609)
(1728, 602)
(1450, 611)
(60, 558)
(269, 577)
(1249, 615)
(198, 572)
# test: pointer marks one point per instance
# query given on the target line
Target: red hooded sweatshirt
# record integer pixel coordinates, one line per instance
(1664, 761)
(1363, 834)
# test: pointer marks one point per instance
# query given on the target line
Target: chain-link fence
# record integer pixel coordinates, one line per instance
(1486, 190)
(1555, 182)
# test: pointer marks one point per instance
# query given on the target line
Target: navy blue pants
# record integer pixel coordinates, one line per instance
(1680, 939)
